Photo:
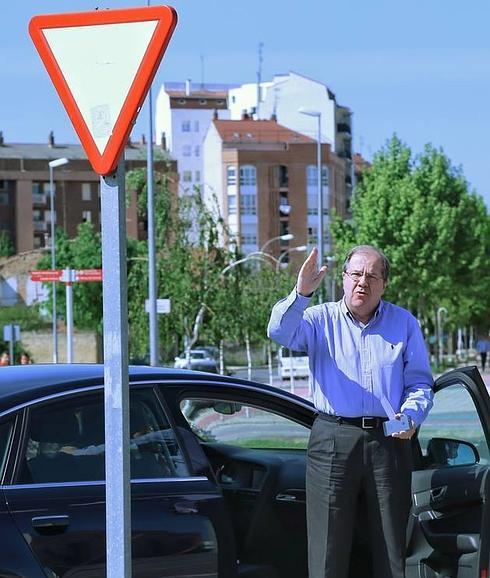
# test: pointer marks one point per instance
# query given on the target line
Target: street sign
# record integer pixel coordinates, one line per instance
(102, 64)
(163, 305)
(11, 333)
(86, 275)
(46, 275)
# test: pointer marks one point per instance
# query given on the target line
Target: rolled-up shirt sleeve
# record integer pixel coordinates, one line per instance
(289, 324)
(417, 376)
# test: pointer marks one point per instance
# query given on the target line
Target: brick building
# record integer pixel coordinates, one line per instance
(264, 177)
(25, 191)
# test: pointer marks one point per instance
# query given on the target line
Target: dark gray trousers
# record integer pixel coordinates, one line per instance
(344, 463)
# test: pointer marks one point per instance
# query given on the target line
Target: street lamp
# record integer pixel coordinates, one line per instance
(299, 248)
(286, 237)
(331, 263)
(52, 165)
(318, 116)
(255, 256)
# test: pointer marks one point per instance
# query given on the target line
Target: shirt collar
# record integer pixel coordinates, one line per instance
(345, 311)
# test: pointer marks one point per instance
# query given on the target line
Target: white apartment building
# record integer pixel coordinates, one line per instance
(183, 113)
(282, 98)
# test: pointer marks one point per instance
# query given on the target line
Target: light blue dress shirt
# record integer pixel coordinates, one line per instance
(352, 365)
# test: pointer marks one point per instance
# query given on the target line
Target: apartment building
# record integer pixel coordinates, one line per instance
(264, 178)
(284, 96)
(183, 113)
(25, 213)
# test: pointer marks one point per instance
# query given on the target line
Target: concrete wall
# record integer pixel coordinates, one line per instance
(86, 346)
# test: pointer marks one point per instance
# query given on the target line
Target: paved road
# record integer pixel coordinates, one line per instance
(300, 387)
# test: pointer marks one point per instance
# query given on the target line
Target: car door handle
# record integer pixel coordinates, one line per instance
(51, 523)
(186, 508)
(438, 493)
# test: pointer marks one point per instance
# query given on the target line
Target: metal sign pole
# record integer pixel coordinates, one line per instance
(114, 289)
(11, 344)
(152, 283)
(69, 278)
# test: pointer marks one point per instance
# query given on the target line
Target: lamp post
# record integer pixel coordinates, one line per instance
(318, 116)
(331, 263)
(299, 248)
(52, 165)
(286, 237)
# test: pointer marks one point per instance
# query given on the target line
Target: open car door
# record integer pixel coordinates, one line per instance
(449, 528)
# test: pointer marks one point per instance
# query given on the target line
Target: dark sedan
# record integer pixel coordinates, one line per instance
(218, 477)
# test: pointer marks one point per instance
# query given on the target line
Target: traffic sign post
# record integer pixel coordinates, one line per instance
(102, 64)
(11, 333)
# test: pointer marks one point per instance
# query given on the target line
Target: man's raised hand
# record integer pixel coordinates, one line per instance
(309, 277)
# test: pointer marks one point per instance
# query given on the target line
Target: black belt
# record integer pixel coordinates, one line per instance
(365, 422)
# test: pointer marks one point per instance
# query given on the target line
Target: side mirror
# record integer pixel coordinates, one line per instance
(448, 452)
(227, 407)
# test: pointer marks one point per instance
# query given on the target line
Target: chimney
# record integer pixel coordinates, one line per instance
(2, 142)
(188, 87)
(51, 139)
(274, 117)
(143, 139)
(215, 115)
(163, 142)
(129, 143)
(245, 114)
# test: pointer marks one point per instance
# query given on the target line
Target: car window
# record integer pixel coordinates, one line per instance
(65, 441)
(226, 422)
(5, 433)
(454, 417)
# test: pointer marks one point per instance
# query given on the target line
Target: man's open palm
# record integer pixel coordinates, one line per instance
(309, 277)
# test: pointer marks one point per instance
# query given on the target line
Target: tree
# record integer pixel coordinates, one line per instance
(435, 232)
(6, 247)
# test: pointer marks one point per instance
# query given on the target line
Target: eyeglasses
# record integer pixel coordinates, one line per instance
(356, 276)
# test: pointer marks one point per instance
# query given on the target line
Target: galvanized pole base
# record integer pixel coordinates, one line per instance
(118, 491)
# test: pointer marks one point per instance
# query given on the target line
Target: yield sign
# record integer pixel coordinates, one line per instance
(102, 64)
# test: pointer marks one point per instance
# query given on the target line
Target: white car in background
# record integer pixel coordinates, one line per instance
(200, 360)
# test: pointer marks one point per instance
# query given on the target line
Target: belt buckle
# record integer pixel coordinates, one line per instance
(367, 422)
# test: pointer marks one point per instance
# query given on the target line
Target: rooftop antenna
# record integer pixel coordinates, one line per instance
(259, 79)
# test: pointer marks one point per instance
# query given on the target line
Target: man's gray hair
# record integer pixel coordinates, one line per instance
(365, 249)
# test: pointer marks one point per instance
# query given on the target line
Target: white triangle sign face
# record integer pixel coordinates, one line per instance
(102, 64)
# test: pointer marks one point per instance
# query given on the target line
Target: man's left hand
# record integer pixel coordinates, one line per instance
(404, 435)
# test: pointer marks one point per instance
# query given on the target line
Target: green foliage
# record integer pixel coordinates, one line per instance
(435, 232)
(28, 318)
(82, 252)
(6, 247)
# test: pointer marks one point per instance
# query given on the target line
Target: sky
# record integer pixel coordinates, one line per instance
(420, 69)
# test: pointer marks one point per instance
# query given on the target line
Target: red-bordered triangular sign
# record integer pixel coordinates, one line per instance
(102, 64)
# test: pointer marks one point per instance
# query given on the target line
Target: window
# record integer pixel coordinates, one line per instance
(86, 216)
(248, 239)
(36, 188)
(197, 176)
(451, 402)
(248, 175)
(283, 176)
(231, 175)
(4, 198)
(231, 204)
(312, 235)
(86, 192)
(66, 441)
(312, 203)
(203, 101)
(186, 126)
(196, 126)
(187, 176)
(232, 423)
(197, 151)
(186, 151)
(311, 175)
(248, 204)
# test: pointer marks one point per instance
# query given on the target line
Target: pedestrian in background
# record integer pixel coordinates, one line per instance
(483, 347)
(368, 362)
(4, 359)
(25, 359)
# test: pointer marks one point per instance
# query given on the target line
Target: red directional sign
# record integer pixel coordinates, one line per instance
(102, 64)
(85, 275)
(46, 275)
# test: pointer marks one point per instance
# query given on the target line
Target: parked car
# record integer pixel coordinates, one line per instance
(218, 476)
(200, 360)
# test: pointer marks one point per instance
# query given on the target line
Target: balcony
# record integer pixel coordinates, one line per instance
(40, 226)
(343, 127)
(345, 154)
(39, 198)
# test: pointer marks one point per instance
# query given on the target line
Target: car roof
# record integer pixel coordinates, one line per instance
(20, 384)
